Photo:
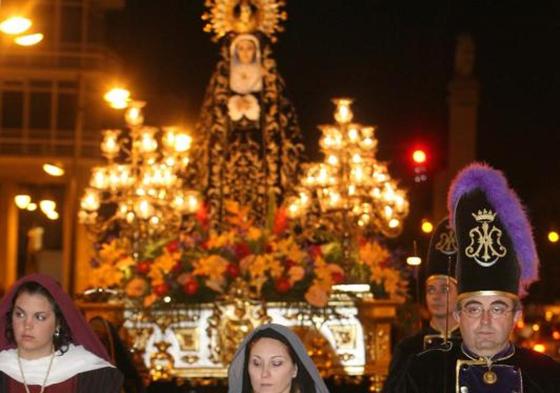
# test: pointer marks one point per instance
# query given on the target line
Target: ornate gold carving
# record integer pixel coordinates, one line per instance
(188, 338)
(244, 16)
(344, 336)
(190, 359)
(161, 362)
(232, 320)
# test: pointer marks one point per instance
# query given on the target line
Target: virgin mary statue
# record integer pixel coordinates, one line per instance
(250, 146)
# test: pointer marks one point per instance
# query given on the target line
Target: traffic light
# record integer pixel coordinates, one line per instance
(419, 157)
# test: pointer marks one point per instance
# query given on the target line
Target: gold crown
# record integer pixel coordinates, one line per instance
(484, 215)
(244, 16)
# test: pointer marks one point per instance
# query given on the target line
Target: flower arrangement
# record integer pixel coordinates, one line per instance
(273, 262)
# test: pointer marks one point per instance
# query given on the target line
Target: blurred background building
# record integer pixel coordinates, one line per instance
(50, 113)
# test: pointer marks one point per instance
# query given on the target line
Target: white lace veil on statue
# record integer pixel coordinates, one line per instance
(236, 369)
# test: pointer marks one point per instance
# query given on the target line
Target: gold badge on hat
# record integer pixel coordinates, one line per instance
(485, 247)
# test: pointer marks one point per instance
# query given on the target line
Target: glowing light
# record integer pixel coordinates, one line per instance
(52, 215)
(553, 236)
(394, 223)
(556, 335)
(117, 97)
(427, 226)
(53, 169)
(29, 39)
(539, 348)
(15, 25)
(47, 206)
(419, 156)
(536, 327)
(31, 207)
(413, 261)
(22, 201)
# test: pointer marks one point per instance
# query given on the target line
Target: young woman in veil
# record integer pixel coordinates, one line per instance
(47, 346)
(272, 359)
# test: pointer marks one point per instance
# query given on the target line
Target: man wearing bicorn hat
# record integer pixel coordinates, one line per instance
(441, 295)
(496, 263)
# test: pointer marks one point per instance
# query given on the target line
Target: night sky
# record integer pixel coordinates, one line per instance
(395, 58)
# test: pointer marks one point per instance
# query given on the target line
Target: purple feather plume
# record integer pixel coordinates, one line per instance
(509, 208)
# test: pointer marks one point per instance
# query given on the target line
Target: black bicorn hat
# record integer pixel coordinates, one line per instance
(497, 253)
(442, 253)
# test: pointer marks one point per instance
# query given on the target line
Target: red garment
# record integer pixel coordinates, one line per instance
(68, 386)
(81, 332)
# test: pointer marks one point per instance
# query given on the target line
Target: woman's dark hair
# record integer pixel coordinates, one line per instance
(63, 338)
(302, 383)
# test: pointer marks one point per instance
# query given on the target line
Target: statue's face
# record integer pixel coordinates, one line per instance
(246, 51)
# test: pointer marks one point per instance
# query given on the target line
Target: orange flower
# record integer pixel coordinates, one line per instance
(317, 296)
(136, 287)
(295, 274)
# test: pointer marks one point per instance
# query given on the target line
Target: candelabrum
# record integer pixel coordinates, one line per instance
(350, 191)
(139, 194)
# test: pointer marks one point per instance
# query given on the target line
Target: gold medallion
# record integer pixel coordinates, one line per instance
(490, 377)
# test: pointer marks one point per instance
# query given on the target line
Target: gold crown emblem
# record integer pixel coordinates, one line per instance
(244, 16)
(484, 215)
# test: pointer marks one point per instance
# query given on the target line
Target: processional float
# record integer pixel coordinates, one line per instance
(198, 241)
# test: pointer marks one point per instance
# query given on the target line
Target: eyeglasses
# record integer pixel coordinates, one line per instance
(495, 310)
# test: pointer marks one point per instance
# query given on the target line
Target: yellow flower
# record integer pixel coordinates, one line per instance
(222, 240)
(156, 275)
(254, 234)
(372, 254)
(165, 262)
(290, 249)
(110, 252)
(213, 267)
(125, 263)
(106, 276)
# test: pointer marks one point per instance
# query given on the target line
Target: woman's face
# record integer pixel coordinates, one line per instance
(246, 51)
(271, 368)
(34, 323)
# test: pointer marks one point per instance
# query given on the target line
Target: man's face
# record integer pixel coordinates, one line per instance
(437, 298)
(486, 323)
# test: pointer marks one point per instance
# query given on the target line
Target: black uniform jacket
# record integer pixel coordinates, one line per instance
(426, 338)
(436, 371)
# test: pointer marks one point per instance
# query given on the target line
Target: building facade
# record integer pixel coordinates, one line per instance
(51, 110)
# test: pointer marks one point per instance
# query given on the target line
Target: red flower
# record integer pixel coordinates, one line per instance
(337, 277)
(280, 221)
(202, 216)
(282, 285)
(233, 270)
(241, 250)
(144, 267)
(172, 246)
(190, 287)
(289, 263)
(315, 251)
(161, 289)
(177, 267)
